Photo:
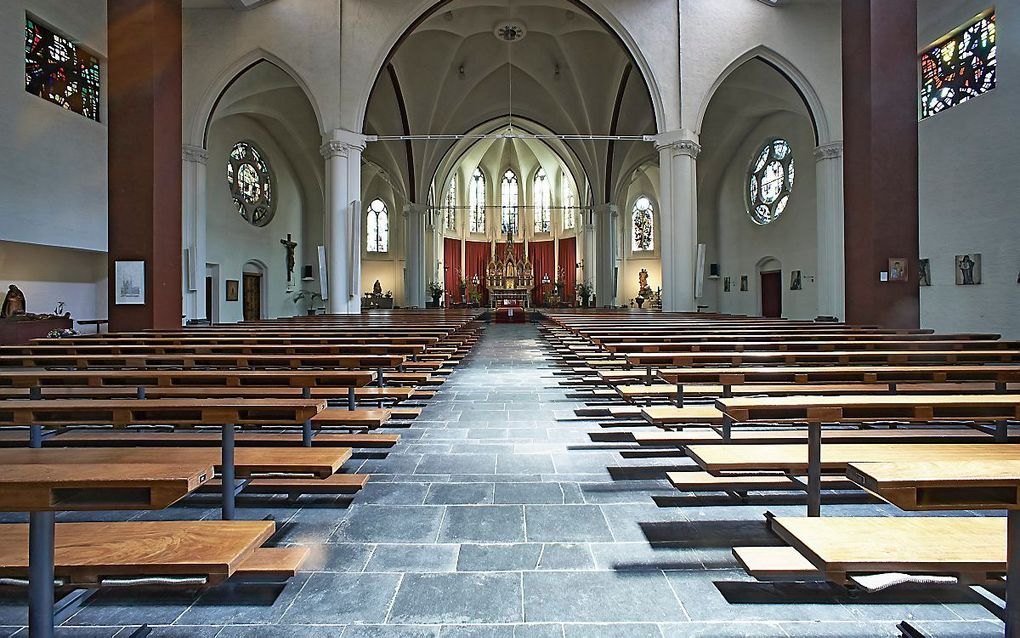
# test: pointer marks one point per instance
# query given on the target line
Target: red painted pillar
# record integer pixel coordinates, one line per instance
(143, 87)
(880, 159)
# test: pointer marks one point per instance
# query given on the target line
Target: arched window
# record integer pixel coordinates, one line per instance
(378, 227)
(251, 183)
(569, 214)
(450, 205)
(543, 202)
(644, 228)
(510, 193)
(476, 198)
(770, 181)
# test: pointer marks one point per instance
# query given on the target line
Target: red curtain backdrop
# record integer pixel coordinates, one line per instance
(476, 258)
(543, 258)
(451, 258)
(568, 262)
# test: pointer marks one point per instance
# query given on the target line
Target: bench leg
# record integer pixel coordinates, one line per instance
(306, 428)
(679, 395)
(1012, 574)
(351, 400)
(40, 574)
(814, 497)
(227, 473)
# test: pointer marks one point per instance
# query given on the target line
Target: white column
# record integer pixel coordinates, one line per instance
(830, 281)
(605, 262)
(678, 217)
(589, 248)
(433, 248)
(414, 250)
(193, 231)
(342, 152)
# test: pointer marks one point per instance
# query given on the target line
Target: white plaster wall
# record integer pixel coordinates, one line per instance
(48, 275)
(52, 161)
(387, 268)
(791, 239)
(969, 185)
(232, 242)
(715, 35)
(644, 181)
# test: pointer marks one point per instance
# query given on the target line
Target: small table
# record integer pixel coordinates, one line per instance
(98, 323)
(43, 490)
(954, 485)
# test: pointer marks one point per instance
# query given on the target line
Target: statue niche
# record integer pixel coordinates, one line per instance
(511, 278)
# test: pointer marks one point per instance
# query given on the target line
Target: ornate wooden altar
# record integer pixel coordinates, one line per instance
(511, 278)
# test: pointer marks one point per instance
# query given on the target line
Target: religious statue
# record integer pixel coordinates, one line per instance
(377, 289)
(290, 245)
(644, 290)
(511, 278)
(14, 303)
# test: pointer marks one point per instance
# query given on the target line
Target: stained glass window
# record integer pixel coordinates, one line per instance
(378, 227)
(770, 181)
(569, 214)
(477, 201)
(509, 194)
(60, 71)
(644, 226)
(251, 183)
(961, 66)
(543, 202)
(450, 205)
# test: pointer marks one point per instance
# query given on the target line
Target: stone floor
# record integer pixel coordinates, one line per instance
(496, 516)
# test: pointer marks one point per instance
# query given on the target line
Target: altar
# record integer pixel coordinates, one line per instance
(511, 278)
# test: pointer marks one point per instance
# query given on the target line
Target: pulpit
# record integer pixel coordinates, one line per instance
(510, 279)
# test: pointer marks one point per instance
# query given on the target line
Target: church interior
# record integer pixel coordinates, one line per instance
(509, 318)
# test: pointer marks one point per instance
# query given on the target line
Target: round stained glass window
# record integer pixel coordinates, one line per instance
(251, 184)
(770, 181)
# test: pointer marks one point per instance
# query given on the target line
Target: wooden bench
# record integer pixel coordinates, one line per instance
(113, 438)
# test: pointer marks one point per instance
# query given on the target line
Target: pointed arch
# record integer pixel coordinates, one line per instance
(198, 132)
(813, 104)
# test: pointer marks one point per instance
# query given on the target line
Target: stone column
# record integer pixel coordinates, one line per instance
(433, 248)
(193, 231)
(414, 251)
(342, 152)
(605, 262)
(678, 217)
(830, 281)
(589, 248)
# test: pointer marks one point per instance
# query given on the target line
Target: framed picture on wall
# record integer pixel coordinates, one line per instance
(743, 283)
(897, 269)
(232, 286)
(795, 280)
(968, 269)
(129, 283)
(924, 272)
(727, 284)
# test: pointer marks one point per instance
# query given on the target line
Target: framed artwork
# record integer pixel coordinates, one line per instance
(897, 269)
(924, 272)
(968, 269)
(727, 284)
(743, 283)
(795, 280)
(232, 285)
(129, 283)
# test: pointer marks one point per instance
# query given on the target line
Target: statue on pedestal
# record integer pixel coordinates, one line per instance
(14, 303)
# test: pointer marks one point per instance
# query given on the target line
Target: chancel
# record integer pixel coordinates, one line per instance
(610, 318)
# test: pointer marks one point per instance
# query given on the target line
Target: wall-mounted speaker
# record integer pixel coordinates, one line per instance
(713, 271)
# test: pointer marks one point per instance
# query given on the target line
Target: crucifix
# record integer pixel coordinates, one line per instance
(290, 245)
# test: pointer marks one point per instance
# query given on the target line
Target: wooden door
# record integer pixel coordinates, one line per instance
(208, 299)
(252, 296)
(772, 294)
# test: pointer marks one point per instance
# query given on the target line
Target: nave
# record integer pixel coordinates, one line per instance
(499, 513)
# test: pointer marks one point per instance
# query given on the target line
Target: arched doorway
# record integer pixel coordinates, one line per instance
(253, 286)
(770, 288)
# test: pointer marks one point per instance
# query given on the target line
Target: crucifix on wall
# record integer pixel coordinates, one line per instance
(290, 245)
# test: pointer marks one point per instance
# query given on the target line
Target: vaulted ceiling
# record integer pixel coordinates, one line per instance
(568, 74)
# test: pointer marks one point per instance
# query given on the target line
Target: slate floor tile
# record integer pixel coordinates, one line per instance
(458, 598)
(567, 523)
(390, 524)
(483, 523)
(600, 597)
(332, 599)
(460, 494)
(413, 558)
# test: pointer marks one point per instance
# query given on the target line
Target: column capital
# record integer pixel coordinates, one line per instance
(340, 143)
(195, 154)
(679, 142)
(833, 150)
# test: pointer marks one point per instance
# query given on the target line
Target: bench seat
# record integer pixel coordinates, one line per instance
(89, 554)
(668, 415)
(340, 417)
(753, 437)
(274, 562)
(775, 563)
(705, 482)
(334, 484)
(108, 438)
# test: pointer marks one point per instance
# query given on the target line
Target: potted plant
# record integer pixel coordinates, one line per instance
(435, 290)
(311, 299)
(584, 290)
